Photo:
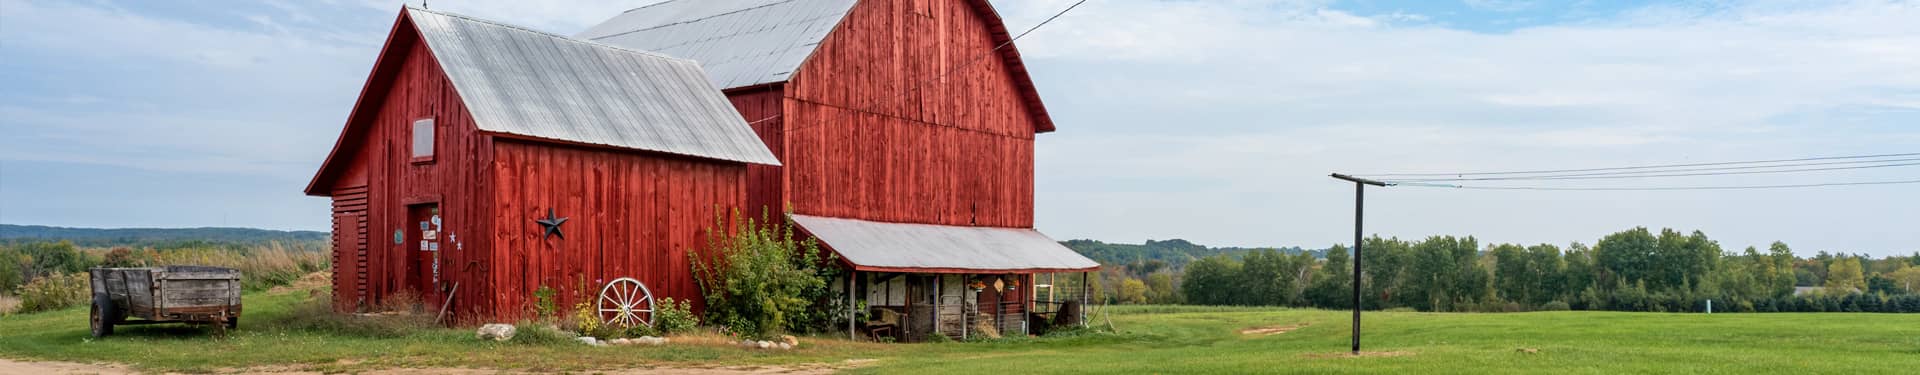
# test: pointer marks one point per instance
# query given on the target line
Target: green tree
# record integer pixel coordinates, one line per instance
(1907, 278)
(1332, 288)
(1133, 291)
(1160, 289)
(12, 270)
(1844, 275)
(1212, 281)
(1626, 256)
(1784, 278)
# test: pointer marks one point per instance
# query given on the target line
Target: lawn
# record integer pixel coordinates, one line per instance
(1152, 339)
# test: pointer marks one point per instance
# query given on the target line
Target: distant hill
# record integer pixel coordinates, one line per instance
(143, 236)
(1175, 253)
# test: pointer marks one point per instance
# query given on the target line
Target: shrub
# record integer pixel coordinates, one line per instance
(760, 281)
(674, 317)
(1555, 306)
(544, 306)
(119, 257)
(55, 292)
(539, 334)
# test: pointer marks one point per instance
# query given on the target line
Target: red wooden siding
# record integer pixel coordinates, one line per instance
(761, 106)
(630, 214)
(867, 135)
(409, 86)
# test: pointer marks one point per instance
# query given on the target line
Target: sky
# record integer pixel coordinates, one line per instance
(1212, 121)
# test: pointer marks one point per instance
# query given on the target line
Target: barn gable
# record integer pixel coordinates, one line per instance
(748, 43)
(527, 84)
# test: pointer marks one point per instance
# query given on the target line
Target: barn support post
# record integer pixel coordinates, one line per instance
(851, 334)
(1359, 209)
(1085, 289)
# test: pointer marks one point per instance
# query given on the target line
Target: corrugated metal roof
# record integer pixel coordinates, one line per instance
(519, 81)
(901, 247)
(741, 42)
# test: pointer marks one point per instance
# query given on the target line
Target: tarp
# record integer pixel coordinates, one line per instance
(927, 248)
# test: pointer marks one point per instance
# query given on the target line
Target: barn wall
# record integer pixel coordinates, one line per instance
(411, 86)
(761, 106)
(906, 114)
(629, 214)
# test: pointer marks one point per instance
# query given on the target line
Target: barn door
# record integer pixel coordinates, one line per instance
(350, 248)
(423, 273)
(348, 252)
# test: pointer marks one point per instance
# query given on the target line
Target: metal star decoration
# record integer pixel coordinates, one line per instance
(551, 225)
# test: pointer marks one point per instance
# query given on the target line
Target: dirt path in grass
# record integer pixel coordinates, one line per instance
(9, 366)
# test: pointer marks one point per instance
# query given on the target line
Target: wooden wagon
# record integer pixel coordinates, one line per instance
(172, 294)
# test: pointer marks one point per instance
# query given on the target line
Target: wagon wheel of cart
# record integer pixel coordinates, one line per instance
(100, 318)
(626, 302)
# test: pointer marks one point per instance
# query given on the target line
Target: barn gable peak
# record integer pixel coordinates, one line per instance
(746, 43)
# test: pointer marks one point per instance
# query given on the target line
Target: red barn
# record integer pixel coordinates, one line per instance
(484, 161)
(906, 132)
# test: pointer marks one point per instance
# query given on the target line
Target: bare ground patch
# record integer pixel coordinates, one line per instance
(1271, 330)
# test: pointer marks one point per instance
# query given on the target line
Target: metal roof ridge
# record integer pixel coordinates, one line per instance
(552, 35)
(727, 13)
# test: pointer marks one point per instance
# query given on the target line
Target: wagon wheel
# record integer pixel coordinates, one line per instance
(100, 318)
(626, 302)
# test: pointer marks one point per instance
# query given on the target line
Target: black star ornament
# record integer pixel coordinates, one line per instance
(551, 225)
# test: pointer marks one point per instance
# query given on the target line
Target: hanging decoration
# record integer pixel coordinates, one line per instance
(551, 225)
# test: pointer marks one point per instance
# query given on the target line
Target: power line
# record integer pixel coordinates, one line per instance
(916, 86)
(1660, 188)
(1690, 169)
(1605, 176)
(1462, 174)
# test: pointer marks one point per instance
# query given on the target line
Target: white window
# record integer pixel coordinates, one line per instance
(423, 139)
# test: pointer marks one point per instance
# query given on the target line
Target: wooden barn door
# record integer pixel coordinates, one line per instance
(423, 265)
(350, 248)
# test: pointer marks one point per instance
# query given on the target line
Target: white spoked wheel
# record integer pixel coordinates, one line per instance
(626, 302)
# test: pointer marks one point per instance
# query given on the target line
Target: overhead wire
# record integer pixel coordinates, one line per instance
(1659, 188)
(1643, 167)
(1714, 172)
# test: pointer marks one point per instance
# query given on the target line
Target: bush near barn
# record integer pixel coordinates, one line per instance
(759, 281)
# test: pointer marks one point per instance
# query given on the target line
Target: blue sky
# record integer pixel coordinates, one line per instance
(1214, 121)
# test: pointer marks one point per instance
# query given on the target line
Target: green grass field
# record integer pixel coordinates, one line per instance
(1152, 339)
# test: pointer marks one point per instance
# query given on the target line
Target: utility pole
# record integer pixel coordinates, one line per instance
(1359, 209)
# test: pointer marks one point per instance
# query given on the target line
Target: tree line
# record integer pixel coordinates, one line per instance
(1632, 270)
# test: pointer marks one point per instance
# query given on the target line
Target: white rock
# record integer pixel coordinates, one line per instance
(749, 343)
(589, 340)
(786, 346)
(620, 341)
(765, 344)
(495, 332)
